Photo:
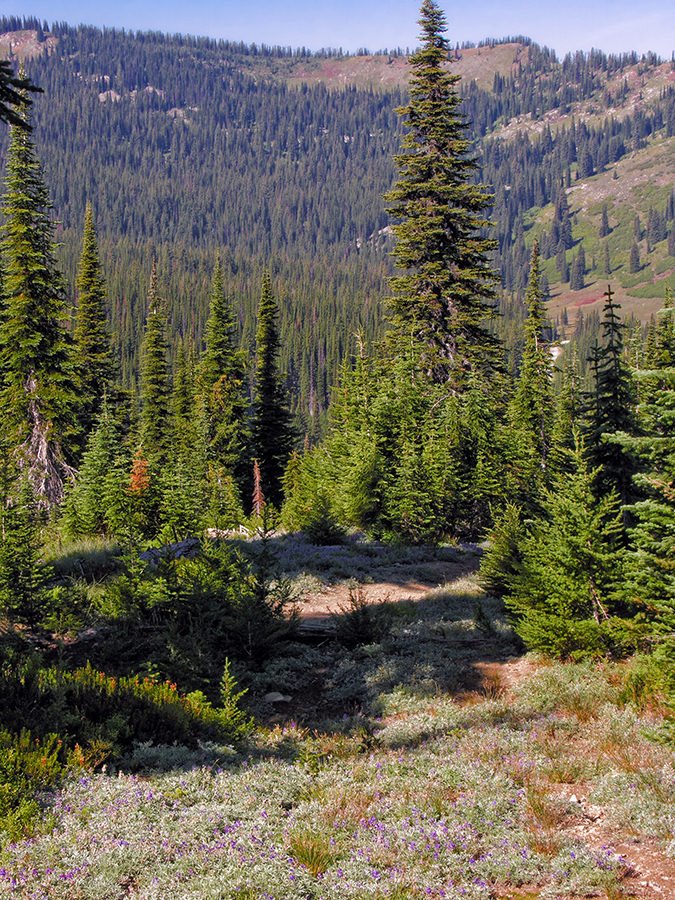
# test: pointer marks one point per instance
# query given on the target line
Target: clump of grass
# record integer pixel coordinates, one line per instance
(578, 690)
(92, 558)
(315, 851)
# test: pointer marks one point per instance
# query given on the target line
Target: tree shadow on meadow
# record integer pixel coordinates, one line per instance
(365, 665)
(371, 660)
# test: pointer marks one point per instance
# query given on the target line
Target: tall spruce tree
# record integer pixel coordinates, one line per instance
(92, 340)
(443, 295)
(650, 581)
(610, 405)
(37, 393)
(14, 99)
(222, 386)
(530, 409)
(271, 429)
(155, 386)
(565, 595)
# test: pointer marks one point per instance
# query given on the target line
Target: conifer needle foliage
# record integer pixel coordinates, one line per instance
(92, 339)
(272, 434)
(444, 292)
(155, 383)
(37, 396)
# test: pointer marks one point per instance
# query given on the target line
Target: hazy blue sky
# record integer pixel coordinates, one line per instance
(611, 25)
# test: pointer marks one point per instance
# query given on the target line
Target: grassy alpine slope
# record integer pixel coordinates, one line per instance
(432, 761)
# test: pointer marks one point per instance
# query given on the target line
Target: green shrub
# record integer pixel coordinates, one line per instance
(503, 558)
(105, 715)
(360, 622)
(27, 765)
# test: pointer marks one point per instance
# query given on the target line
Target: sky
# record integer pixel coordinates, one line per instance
(609, 25)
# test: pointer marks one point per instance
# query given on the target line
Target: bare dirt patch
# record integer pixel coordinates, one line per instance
(386, 583)
(649, 872)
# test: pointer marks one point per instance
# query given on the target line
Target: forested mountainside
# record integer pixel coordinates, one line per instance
(189, 148)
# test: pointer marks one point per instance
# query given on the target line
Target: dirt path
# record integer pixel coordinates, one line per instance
(394, 583)
(649, 872)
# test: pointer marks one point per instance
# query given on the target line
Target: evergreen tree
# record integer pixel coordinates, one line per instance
(610, 405)
(634, 264)
(183, 505)
(565, 415)
(606, 262)
(87, 505)
(650, 581)
(223, 387)
(444, 292)
(23, 576)
(220, 354)
(530, 408)
(271, 430)
(94, 355)
(565, 597)
(564, 223)
(502, 560)
(37, 394)
(577, 272)
(604, 222)
(665, 334)
(14, 98)
(561, 262)
(155, 388)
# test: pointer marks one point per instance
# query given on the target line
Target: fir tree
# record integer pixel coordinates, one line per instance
(606, 261)
(650, 579)
(530, 409)
(271, 429)
(155, 389)
(37, 396)
(561, 263)
(23, 577)
(502, 560)
(565, 597)
(14, 98)
(220, 355)
(182, 481)
(577, 272)
(610, 405)
(634, 264)
(665, 334)
(604, 222)
(444, 294)
(87, 504)
(94, 355)
(565, 415)
(223, 387)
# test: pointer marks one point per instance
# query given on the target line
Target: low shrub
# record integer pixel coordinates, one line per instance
(27, 765)
(361, 622)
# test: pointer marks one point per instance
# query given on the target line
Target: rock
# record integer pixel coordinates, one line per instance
(188, 549)
(276, 697)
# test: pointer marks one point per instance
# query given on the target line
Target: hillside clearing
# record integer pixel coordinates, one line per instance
(434, 761)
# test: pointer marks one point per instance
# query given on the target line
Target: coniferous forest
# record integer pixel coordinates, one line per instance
(342, 348)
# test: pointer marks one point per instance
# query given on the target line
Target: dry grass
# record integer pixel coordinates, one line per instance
(314, 850)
